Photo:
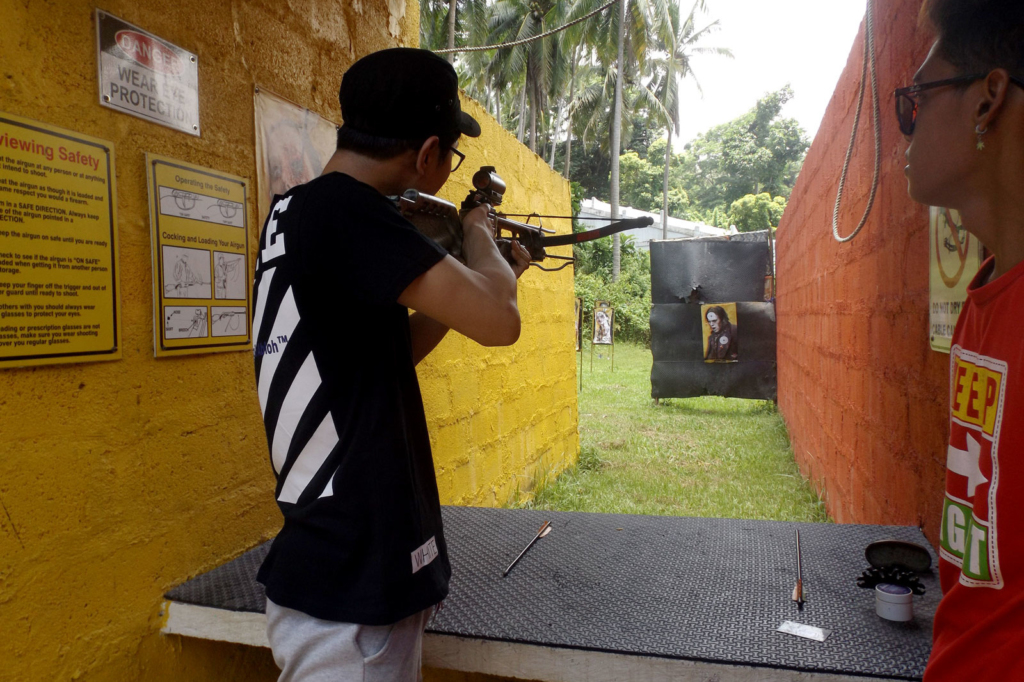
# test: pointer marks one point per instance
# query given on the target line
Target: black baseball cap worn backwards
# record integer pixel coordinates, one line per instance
(404, 94)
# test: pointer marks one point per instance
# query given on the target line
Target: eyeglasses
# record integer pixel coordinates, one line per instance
(462, 157)
(906, 98)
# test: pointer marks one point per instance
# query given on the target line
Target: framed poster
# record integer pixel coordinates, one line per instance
(955, 257)
(293, 145)
(720, 327)
(59, 275)
(201, 275)
(604, 320)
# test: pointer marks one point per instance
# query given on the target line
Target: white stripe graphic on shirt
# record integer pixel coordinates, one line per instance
(329, 488)
(284, 324)
(304, 385)
(261, 304)
(309, 461)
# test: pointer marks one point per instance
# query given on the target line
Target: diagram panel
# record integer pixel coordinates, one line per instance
(200, 258)
(228, 321)
(186, 272)
(229, 276)
(186, 322)
(195, 206)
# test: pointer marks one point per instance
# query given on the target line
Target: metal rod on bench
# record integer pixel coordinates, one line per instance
(544, 529)
(798, 591)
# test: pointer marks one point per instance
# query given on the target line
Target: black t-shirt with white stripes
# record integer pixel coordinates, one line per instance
(362, 539)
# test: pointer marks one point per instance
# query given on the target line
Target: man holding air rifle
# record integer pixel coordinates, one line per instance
(361, 560)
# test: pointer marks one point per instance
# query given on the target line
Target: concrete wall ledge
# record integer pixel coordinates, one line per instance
(508, 659)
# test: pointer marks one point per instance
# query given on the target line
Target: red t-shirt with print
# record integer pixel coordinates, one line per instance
(979, 625)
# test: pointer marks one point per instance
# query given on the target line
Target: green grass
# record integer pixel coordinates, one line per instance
(709, 456)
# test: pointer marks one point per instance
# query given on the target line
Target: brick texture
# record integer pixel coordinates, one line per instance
(864, 397)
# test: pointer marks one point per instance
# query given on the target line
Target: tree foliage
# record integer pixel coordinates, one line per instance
(755, 153)
(758, 153)
(756, 212)
(642, 184)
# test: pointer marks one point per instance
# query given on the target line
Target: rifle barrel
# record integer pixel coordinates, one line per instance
(589, 235)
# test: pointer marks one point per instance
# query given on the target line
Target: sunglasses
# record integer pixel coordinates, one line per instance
(906, 98)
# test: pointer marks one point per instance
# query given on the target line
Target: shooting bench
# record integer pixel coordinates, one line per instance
(612, 597)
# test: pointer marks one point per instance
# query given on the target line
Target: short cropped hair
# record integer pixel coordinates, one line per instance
(383, 148)
(977, 36)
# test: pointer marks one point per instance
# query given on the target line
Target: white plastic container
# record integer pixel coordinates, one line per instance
(894, 602)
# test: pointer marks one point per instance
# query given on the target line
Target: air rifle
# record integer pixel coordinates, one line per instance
(442, 221)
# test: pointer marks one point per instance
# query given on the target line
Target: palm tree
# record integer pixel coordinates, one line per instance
(583, 35)
(514, 20)
(679, 41)
(451, 23)
(568, 112)
(452, 6)
(562, 67)
(617, 137)
(633, 27)
(476, 69)
(623, 53)
(433, 23)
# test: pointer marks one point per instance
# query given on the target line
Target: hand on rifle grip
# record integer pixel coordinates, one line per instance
(520, 257)
(515, 254)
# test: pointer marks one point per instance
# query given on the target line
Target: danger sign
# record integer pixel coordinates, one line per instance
(145, 76)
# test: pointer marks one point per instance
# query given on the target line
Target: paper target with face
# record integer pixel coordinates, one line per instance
(604, 320)
(720, 327)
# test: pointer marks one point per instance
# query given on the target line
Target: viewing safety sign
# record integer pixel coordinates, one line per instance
(58, 246)
(145, 76)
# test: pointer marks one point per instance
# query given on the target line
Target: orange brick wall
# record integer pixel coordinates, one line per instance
(864, 397)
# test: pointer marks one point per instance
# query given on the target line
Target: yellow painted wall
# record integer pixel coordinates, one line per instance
(119, 480)
(500, 418)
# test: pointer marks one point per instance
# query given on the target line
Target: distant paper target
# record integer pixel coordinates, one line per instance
(604, 324)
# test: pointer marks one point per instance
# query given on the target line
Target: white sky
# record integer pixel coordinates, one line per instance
(805, 43)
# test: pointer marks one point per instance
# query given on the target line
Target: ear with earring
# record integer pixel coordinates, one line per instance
(980, 132)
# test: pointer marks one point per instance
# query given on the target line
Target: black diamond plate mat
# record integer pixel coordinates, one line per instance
(231, 586)
(699, 589)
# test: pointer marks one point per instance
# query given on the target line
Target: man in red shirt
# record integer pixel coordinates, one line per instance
(965, 114)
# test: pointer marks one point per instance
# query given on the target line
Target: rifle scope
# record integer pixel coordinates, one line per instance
(487, 181)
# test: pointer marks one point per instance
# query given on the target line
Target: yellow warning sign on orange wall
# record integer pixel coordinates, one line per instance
(955, 257)
(58, 246)
(201, 278)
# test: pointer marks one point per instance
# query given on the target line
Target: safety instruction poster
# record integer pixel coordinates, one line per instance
(59, 295)
(955, 257)
(201, 273)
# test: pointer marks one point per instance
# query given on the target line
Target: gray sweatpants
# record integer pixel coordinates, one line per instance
(308, 649)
